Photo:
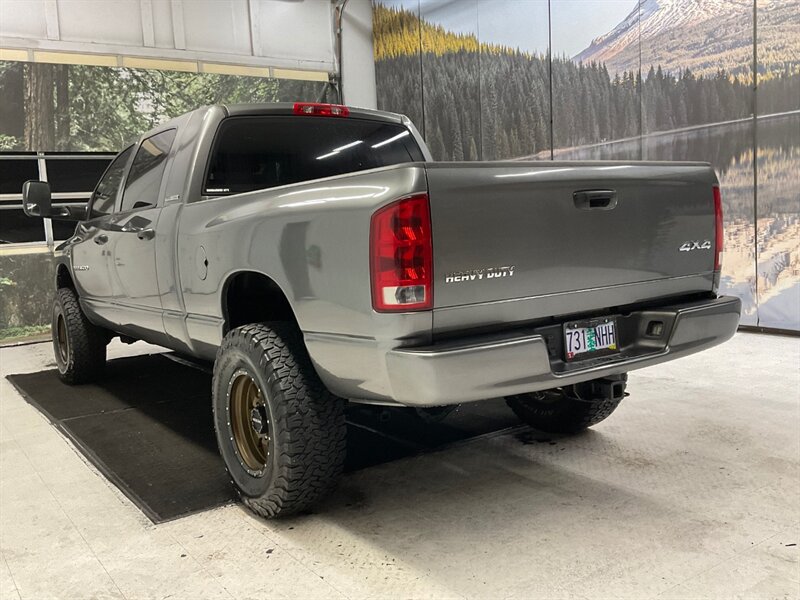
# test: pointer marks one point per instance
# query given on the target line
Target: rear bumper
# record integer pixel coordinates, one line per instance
(500, 365)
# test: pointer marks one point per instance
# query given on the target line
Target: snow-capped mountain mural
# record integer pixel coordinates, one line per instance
(702, 35)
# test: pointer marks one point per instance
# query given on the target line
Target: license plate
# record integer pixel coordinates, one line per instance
(597, 337)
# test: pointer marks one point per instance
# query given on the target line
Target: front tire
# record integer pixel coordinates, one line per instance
(281, 433)
(79, 346)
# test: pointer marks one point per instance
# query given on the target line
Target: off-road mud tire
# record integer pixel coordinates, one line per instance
(307, 432)
(78, 345)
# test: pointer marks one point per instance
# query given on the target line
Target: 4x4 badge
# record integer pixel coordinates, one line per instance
(695, 245)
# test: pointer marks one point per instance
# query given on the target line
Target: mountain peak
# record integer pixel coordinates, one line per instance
(670, 32)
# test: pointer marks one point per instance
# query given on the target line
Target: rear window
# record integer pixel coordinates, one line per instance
(252, 153)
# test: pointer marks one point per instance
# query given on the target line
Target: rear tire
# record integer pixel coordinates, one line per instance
(281, 433)
(79, 346)
(564, 410)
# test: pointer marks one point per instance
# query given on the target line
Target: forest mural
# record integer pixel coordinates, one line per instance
(78, 108)
(48, 107)
(620, 79)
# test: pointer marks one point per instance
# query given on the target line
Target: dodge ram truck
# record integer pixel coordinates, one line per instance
(317, 255)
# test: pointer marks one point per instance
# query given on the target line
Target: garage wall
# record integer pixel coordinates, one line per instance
(711, 80)
(278, 33)
(291, 39)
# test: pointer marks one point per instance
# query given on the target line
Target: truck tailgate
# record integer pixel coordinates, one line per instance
(571, 237)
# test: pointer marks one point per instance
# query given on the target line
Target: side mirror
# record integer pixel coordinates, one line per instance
(37, 202)
(36, 198)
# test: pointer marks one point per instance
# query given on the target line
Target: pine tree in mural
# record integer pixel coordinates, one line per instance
(501, 101)
(78, 108)
(39, 107)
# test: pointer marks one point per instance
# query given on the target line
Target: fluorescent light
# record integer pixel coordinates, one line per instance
(138, 62)
(379, 190)
(350, 145)
(302, 75)
(391, 139)
(536, 172)
(69, 58)
(13, 54)
(340, 148)
(225, 69)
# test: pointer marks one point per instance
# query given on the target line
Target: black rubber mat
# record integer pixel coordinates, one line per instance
(147, 426)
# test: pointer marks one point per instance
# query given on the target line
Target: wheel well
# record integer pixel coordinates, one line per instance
(254, 298)
(63, 278)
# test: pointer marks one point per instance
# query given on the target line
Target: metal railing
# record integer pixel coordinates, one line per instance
(13, 201)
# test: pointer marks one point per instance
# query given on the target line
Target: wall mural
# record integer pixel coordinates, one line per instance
(630, 80)
(778, 155)
(81, 108)
(75, 108)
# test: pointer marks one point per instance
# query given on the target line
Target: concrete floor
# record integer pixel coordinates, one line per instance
(691, 490)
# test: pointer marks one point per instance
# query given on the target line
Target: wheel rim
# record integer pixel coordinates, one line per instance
(249, 421)
(62, 342)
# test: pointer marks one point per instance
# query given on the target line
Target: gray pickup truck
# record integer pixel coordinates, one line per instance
(317, 255)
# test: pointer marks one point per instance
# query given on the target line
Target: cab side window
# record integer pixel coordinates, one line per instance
(105, 194)
(144, 180)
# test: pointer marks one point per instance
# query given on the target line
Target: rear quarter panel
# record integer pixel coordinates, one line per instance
(312, 239)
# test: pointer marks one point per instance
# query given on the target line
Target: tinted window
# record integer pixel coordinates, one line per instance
(253, 153)
(105, 195)
(144, 179)
(14, 172)
(75, 175)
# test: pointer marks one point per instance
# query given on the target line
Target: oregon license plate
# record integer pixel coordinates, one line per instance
(583, 339)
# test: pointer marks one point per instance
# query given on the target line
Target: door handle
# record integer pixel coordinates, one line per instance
(146, 234)
(595, 199)
(100, 239)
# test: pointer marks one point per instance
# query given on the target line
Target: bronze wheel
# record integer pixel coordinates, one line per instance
(79, 347)
(62, 341)
(249, 422)
(285, 456)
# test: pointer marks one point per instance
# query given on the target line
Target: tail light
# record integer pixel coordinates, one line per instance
(401, 256)
(718, 229)
(320, 110)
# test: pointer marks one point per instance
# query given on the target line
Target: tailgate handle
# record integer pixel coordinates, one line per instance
(595, 199)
